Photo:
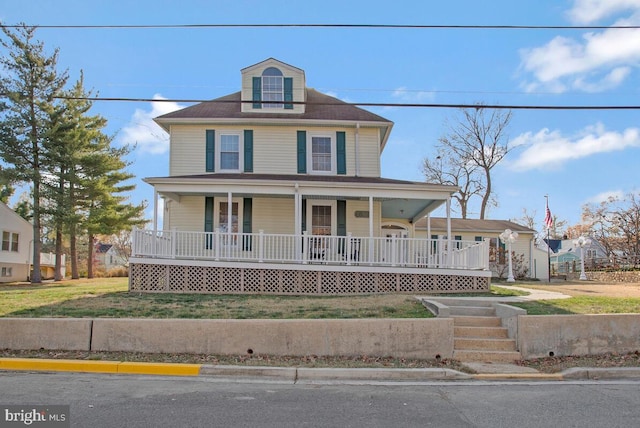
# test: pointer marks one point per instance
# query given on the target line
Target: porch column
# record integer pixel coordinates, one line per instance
(370, 255)
(449, 254)
(155, 209)
(229, 211)
(297, 214)
(429, 226)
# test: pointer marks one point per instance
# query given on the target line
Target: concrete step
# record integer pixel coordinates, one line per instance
(476, 321)
(474, 311)
(448, 301)
(484, 344)
(486, 356)
(480, 332)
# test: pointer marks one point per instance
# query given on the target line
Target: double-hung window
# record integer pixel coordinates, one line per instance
(321, 155)
(230, 152)
(10, 241)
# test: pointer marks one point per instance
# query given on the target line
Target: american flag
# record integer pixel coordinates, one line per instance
(548, 218)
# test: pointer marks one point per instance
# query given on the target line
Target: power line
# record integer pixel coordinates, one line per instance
(387, 26)
(369, 104)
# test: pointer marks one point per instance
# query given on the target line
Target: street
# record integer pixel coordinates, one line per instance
(98, 400)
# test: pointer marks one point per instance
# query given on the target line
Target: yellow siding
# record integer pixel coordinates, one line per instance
(187, 150)
(187, 215)
(274, 148)
(273, 215)
(360, 226)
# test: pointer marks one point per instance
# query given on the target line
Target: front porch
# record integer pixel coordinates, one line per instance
(217, 262)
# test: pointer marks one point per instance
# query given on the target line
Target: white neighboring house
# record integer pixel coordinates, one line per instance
(107, 257)
(16, 252)
(477, 230)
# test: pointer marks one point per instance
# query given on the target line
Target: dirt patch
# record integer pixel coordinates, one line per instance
(589, 288)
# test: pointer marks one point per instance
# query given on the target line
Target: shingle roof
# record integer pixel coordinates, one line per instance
(318, 107)
(473, 225)
(294, 177)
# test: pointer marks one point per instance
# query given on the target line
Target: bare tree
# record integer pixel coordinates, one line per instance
(477, 136)
(454, 171)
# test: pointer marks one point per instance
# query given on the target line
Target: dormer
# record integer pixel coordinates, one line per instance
(273, 87)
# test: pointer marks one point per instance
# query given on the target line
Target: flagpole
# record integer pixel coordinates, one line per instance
(548, 245)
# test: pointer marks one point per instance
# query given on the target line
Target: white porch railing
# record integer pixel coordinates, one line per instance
(311, 249)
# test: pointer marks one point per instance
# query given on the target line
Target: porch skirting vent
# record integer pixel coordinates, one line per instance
(167, 278)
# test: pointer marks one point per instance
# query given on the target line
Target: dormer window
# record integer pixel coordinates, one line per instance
(272, 88)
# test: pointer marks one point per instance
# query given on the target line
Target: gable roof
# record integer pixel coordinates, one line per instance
(473, 225)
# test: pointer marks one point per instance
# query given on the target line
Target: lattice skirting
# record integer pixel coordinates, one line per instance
(238, 280)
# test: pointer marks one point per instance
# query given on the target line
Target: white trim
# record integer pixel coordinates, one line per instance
(216, 212)
(218, 166)
(334, 214)
(332, 146)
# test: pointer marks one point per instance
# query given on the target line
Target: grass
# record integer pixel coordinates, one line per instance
(109, 298)
(582, 305)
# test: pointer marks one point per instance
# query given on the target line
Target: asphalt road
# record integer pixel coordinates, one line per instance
(99, 400)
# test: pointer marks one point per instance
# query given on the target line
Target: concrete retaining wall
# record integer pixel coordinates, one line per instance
(403, 338)
(541, 335)
(48, 333)
(409, 338)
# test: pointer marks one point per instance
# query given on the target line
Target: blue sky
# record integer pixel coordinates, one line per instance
(575, 157)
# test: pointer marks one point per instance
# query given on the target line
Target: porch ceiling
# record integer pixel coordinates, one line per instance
(400, 199)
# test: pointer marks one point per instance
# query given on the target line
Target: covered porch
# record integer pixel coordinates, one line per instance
(263, 234)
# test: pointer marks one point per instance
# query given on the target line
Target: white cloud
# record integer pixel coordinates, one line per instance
(605, 196)
(412, 96)
(550, 149)
(597, 61)
(589, 11)
(144, 132)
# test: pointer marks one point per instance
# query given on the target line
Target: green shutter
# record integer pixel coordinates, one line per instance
(304, 215)
(210, 151)
(208, 214)
(288, 92)
(302, 152)
(341, 226)
(248, 150)
(341, 152)
(341, 216)
(257, 92)
(247, 218)
(208, 221)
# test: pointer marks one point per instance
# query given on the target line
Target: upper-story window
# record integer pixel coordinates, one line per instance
(272, 88)
(10, 241)
(321, 154)
(230, 152)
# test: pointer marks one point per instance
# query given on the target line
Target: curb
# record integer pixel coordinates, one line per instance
(120, 367)
(303, 374)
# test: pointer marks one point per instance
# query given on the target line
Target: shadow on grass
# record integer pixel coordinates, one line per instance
(123, 304)
(542, 307)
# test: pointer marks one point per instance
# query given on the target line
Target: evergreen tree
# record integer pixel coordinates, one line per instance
(30, 84)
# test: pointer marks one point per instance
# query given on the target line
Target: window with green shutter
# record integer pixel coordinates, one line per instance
(341, 153)
(210, 150)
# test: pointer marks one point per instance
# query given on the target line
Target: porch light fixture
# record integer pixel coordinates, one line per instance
(582, 242)
(509, 237)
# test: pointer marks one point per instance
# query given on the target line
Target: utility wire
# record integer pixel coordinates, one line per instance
(388, 26)
(369, 104)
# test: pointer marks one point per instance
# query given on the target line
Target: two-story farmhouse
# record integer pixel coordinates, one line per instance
(277, 189)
